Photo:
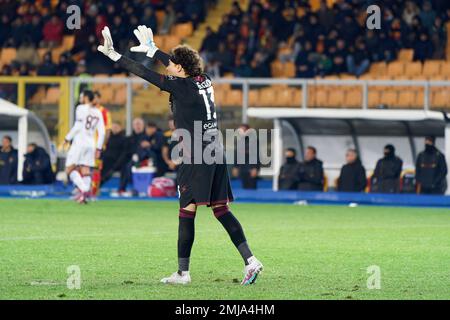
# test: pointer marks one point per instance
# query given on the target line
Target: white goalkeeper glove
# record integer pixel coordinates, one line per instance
(146, 43)
(107, 48)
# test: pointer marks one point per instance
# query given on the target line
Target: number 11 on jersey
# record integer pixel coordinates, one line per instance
(208, 97)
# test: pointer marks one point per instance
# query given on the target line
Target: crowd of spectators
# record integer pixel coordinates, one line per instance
(31, 24)
(308, 175)
(326, 42)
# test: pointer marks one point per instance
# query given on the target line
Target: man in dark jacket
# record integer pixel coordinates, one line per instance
(311, 172)
(288, 178)
(151, 148)
(431, 169)
(386, 178)
(353, 174)
(247, 158)
(37, 168)
(113, 157)
(132, 144)
(8, 162)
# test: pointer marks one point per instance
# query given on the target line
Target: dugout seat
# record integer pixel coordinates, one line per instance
(336, 98)
(406, 98)
(378, 69)
(374, 98)
(51, 96)
(68, 42)
(353, 98)
(289, 70)
(267, 97)
(406, 55)
(276, 68)
(169, 42)
(183, 30)
(431, 69)
(396, 69)
(7, 55)
(233, 98)
(253, 98)
(440, 99)
(412, 70)
(445, 70)
(120, 96)
(389, 98)
(284, 97)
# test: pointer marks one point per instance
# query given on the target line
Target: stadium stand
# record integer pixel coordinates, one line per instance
(307, 39)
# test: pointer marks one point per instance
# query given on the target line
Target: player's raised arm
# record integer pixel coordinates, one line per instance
(134, 67)
(148, 46)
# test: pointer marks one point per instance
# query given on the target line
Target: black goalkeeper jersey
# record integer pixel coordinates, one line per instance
(191, 100)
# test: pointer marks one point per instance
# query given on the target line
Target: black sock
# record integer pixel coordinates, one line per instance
(234, 229)
(186, 234)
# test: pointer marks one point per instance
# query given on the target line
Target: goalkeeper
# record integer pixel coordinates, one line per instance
(192, 101)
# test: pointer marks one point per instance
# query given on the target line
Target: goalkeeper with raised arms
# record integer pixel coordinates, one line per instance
(192, 101)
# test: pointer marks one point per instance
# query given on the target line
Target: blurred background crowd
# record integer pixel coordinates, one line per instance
(331, 40)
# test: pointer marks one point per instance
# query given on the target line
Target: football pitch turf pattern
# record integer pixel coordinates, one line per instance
(123, 249)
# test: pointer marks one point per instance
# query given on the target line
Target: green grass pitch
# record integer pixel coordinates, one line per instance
(123, 248)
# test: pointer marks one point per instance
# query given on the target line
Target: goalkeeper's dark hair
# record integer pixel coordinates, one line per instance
(188, 58)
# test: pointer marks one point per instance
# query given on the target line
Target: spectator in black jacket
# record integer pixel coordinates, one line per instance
(357, 60)
(247, 158)
(311, 172)
(431, 169)
(8, 162)
(151, 147)
(113, 156)
(353, 174)
(130, 151)
(386, 178)
(288, 178)
(37, 168)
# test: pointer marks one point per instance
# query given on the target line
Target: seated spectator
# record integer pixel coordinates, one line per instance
(288, 178)
(150, 147)
(386, 178)
(247, 158)
(311, 176)
(304, 68)
(171, 162)
(47, 68)
(130, 152)
(431, 169)
(5, 29)
(53, 32)
(423, 48)
(27, 53)
(353, 174)
(8, 162)
(149, 19)
(35, 30)
(427, 15)
(113, 156)
(170, 18)
(37, 168)
(357, 60)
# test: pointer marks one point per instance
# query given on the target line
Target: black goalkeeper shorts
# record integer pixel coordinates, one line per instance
(203, 184)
